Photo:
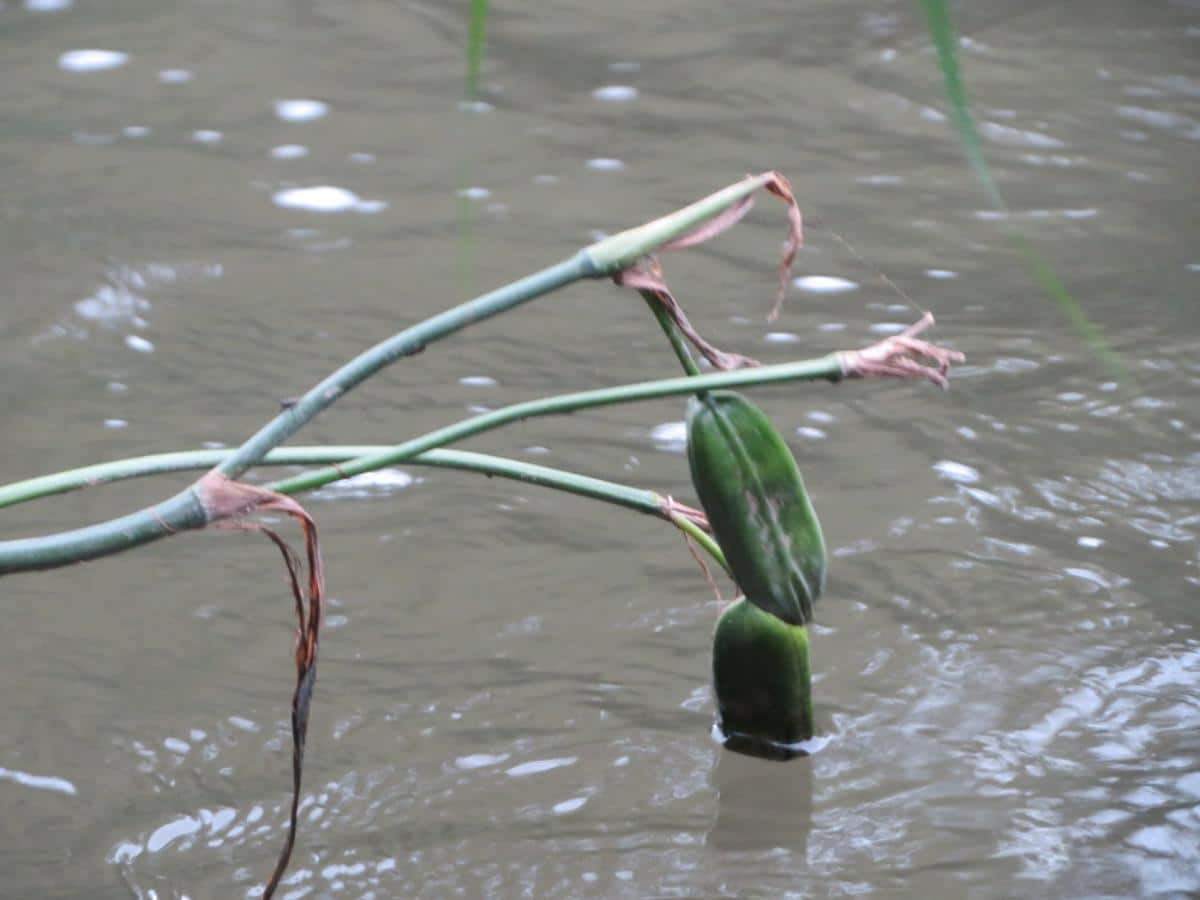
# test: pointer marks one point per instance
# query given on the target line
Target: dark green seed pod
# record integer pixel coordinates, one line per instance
(762, 681)
(754, 497)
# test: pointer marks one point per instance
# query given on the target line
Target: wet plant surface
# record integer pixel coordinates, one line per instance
(208, 208)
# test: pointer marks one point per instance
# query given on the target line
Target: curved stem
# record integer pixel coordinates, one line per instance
(186, 511)
(643, 501)
(826, 367)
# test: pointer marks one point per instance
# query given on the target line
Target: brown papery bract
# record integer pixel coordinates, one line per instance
(226, 501)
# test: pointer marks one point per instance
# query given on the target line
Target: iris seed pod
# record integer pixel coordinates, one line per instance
(754, 497)
(762, 681)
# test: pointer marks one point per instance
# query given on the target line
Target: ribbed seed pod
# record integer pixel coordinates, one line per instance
(754, 497)
(762, 681)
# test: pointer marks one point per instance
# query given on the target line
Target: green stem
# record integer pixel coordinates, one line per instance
(825, 368)
(186, 511)
(637, 499)
(678, 344)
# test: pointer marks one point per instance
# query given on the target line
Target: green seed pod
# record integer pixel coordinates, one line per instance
(754, 497)
(762, 681)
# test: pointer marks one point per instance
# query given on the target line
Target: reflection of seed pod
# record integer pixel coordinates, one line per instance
(762, 679)
(754, 497)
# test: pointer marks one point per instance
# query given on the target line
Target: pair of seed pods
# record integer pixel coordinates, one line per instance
(753, 495)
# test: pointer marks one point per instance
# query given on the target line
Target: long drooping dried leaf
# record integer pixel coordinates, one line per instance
(225, 499)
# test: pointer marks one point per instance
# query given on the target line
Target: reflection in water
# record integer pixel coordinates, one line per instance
(762, 805)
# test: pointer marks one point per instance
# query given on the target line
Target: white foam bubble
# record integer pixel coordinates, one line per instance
(43, 6)
(480, 760)
(824, 284)
(813, 434)
(960, 473)
(135, 131)
(207, 136)
(1089, 542)
(940, 274)
(138, 343)
(323, 198)
(569, 806)
(115, 424)
(475, 193)
(175, 76)
(782, 337)
(615, 93)
(887, 327)
(477, 381)
(605, 164)
(38, 782)
(538, 766)
(301, 110)
(361, 158)
(91, 60)
(289, 151)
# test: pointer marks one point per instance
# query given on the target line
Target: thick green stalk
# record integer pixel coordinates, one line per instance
(185, 510)
(825, 368)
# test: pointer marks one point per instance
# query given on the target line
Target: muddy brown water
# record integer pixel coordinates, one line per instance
(514, 696)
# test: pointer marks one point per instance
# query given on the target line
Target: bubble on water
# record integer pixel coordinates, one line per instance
(302, 110)
(475, 193)
(91, 60)
(207, 136)
(479, 107)
(813, 434)
(887, 327)
(135, 131)
(370, 207)
(176, 76)
(605, 164)
(43, 6)
(115, 424)
(957, 472)
(615, 93)
(477, 381)
(167, 834)
(480, 760)
(940, 274)
(880, 179)
(782, 337)
(289, 151)
(569, 806)
(538, 766)
(175, 745)
(38, 782)
(1090, 543)
(323, 198)
(138, 343)
(832, 326)
(824, 284)
(819, 415)
(361, 158)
